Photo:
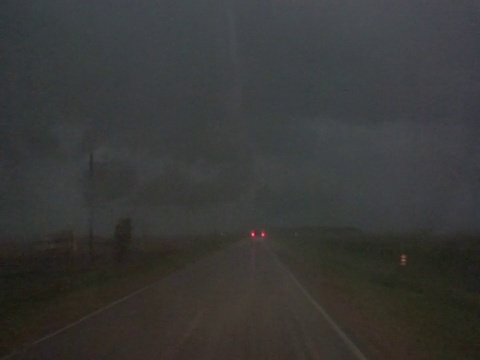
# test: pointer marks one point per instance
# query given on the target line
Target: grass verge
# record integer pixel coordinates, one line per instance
(428, 309)
(36, 303)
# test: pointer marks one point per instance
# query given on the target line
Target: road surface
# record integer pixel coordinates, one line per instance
(240, 303)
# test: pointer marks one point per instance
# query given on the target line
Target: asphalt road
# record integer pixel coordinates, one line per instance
(240, 303)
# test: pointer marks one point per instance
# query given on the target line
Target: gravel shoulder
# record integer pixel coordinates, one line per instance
(390, 315)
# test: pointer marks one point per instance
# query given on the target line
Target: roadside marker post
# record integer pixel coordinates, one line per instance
(403, 260)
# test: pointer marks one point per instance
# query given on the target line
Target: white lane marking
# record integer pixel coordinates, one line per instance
(36, 342)
(27, 346)
(355, 350)
(91, 315)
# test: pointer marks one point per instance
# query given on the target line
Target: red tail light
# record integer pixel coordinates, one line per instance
(263, 233)
(252, 233)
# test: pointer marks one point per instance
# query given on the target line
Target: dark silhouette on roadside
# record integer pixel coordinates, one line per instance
(123, 238)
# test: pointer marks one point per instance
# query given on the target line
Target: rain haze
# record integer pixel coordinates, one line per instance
(221, 115)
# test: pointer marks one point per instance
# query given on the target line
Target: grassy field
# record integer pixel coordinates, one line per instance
(45, 293)
(428, 309)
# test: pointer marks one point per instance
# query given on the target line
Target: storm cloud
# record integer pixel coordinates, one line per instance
(280, 112)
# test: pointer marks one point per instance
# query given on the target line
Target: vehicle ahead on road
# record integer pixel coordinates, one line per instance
(257, 234)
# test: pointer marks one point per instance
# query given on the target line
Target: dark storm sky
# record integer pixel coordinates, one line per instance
(221, 114)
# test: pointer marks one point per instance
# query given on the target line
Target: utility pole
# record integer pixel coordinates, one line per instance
(91, 215)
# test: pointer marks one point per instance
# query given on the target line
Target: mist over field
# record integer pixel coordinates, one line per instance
(223, 115)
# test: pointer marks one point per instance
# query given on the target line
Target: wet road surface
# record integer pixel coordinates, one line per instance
(240, 303)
